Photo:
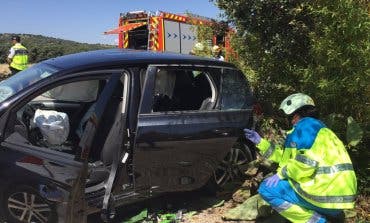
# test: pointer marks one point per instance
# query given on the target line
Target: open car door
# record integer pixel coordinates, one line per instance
(75, 211)
(52, 176)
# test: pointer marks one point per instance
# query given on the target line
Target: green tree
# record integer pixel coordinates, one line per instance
(319, 47)
(339, 73)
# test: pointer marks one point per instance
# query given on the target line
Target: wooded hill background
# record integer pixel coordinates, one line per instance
(42, 47)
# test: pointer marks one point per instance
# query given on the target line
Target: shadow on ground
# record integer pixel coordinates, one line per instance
(169, 203)
(187, 203)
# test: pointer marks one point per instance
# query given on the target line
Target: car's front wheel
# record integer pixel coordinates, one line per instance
(234, 164)
(24, 205)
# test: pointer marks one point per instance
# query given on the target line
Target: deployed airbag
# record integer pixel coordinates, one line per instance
(53, 125)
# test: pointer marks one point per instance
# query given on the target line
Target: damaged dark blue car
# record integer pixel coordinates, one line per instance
(88, 132)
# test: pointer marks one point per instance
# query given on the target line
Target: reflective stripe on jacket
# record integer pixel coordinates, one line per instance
(20, 58)
(316, 164)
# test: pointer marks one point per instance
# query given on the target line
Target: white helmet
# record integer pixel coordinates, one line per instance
(294, 102)
(198, 47)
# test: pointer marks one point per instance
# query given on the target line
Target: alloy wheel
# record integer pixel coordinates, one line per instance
(234, 165)
(28, 207)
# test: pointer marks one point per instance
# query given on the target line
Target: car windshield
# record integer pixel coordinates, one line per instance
(25, 78)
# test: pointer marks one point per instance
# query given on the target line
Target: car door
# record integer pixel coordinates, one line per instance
(179, 146)
(64, 175)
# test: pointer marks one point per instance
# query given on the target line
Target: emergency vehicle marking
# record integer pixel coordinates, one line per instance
(154, 33)
(165, 31)
(174, 35)
(125, 37)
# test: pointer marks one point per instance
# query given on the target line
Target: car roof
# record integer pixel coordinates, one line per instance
(119, 57)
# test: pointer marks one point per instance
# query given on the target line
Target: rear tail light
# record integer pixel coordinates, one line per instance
(257, 114)
(257, 109)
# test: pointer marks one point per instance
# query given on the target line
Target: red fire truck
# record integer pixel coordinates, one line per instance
(163, 31)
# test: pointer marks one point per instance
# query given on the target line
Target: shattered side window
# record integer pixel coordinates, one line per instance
(179, 89)
(235, 93)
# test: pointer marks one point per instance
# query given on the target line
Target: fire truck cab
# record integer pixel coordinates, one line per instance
(162, 31)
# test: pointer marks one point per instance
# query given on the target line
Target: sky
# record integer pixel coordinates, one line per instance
(86, 20)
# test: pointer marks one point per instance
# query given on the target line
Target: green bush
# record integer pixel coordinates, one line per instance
(320, 47)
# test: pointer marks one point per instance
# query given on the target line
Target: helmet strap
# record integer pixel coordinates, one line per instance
(294, 118)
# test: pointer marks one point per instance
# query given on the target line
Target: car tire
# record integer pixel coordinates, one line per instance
(233, 166)
(23, 204)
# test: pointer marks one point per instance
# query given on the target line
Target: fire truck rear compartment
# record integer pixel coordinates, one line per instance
(138, 38)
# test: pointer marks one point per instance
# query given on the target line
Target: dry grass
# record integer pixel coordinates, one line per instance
(4, 70)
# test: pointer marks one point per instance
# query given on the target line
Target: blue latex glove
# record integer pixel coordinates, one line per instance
(272, 181)
(252, 135)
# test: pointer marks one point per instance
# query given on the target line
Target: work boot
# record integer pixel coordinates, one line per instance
(336, 219)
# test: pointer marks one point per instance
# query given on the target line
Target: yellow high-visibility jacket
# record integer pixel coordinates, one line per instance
(316, 164)
(20, 58)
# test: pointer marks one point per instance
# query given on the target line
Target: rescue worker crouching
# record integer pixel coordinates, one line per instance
(315, 179)
(18, 56)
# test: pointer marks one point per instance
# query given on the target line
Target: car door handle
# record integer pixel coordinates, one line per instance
(221, 132)
(185, 163)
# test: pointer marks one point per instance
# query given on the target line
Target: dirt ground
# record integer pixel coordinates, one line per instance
(203, 207)
(200, 207)
(193, 207)
(4, 69)
(361, 214)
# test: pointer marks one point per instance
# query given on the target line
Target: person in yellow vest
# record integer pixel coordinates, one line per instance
(315, 180)
(217, 53)
(18, 56)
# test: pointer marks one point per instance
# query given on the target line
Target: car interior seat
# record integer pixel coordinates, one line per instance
(207, 104)
(184, 91)
(164, 98)
(203, 91)
(106, 124)
(105, 143)
(100, 169)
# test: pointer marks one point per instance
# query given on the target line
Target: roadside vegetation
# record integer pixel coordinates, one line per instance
(321, 48)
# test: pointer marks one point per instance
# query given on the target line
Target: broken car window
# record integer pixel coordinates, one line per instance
(180, 90)
(235, 90)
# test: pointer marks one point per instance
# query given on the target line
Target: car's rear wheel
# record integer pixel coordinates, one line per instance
(235, 163)
(25, 205)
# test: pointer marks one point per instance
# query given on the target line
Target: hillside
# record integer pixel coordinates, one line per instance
(42, 47)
